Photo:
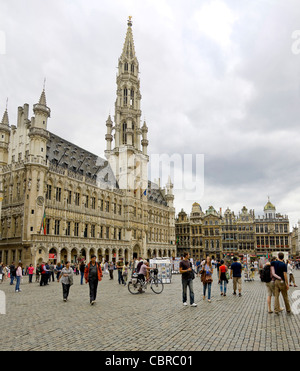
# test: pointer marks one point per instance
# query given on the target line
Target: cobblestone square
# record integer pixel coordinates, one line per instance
(39, 319)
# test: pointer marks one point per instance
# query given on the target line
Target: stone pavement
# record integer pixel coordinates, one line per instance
(38, 319)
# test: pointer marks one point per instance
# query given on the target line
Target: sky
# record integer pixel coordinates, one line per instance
(220, 81)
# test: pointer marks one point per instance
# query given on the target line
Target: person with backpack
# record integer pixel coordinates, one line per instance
(92, 275)
(266, 277)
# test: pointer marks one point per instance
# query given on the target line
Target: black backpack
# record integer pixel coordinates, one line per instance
(265, 275)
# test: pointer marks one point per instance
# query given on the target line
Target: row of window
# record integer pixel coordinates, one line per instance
(90, 202)
(88, 230)
(272, 240)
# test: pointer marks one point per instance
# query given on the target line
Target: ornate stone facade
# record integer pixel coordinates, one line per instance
(223, 235)
(57, 198)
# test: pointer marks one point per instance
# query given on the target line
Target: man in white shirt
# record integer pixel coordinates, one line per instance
(290, 274)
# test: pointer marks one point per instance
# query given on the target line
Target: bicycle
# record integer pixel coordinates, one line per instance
(136, 285)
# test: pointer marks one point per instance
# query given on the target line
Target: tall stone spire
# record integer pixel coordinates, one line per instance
(5, 120)
(125, 153)
(128, 48)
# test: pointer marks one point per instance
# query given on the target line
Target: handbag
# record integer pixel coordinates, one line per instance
(71, 279)
(208, 279)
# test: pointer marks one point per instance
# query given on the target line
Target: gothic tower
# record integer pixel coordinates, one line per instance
(128, 156)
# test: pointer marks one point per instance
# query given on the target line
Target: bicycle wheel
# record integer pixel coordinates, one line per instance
(134, 288)
(156, 285)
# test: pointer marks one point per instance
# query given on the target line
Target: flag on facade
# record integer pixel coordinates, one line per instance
(43, 225)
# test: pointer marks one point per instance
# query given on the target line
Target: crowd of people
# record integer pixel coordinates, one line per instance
(277, 274)
(91, 273)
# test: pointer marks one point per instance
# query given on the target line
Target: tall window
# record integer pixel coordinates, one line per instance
(47, 226)
(125, 97)
(56, 227)
(68, 229)
(124, 133)
(48, 192)
(93, 228)
(85, 234)
(77, 198)
(69, 198)
(132, 98)
(76, 229)
(58, 194)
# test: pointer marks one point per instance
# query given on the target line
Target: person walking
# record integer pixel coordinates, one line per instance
(66, 277)
(12, 272)
(290, 270)
(37, 273)
(120, 265)
(92, 275)
(111, 270)
(125, 273)
(81, 269)
(223, 281)
(279, 272)
(236, 274)
(30, 272)
(51, 271)
(267, 277)
(58, 270)
(206, 278)
(19, 275)
(44, 274)
(185, 269)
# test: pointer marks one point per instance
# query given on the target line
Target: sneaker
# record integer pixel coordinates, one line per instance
(234, 293)
(194, 305)
(185, 304)
(240, 294)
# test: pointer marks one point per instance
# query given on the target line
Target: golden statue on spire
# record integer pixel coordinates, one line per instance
(129, 21)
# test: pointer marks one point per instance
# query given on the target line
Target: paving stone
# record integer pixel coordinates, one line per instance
(38, 319)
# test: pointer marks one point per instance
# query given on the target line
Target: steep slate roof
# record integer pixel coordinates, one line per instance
(64, 154)
(155, 194)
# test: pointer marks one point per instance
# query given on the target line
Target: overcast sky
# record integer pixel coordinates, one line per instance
(218, 78)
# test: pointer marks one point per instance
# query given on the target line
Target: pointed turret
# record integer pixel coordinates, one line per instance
(41, 111)
(5, 120)
(108, 136)
(4, 138)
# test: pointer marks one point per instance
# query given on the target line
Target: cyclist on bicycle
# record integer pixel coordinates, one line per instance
(143, 273)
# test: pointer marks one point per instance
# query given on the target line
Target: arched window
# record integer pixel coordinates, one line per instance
(125, 66)
(132, 68)
(124, 133)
